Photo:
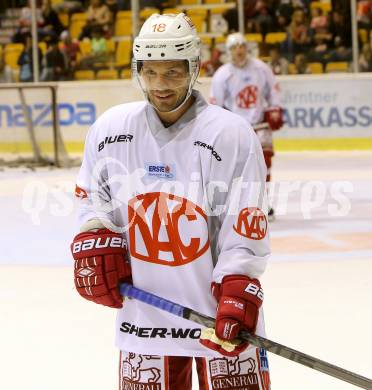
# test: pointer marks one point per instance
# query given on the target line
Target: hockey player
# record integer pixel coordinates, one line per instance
(247, 87)
(172, 198)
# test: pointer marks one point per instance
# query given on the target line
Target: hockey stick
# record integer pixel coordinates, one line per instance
(128, 290)
(261, 126)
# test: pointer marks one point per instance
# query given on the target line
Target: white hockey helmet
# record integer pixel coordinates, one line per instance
(168, 37)
(235, 39)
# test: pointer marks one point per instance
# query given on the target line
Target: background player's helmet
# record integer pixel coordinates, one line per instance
(239, 57)
(235, 39)
(167, 37)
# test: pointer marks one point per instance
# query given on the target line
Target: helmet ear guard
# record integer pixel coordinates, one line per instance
(167, 37)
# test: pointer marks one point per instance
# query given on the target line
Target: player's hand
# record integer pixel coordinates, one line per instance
(239, 300)
(274, 117)
(101, 264)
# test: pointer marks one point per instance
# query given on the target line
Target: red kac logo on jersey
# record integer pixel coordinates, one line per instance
(80, 193)
(247, 97)
(252, 223)
(165, 229)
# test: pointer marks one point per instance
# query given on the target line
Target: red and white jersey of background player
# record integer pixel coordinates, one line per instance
(167, 187)
(247, 91)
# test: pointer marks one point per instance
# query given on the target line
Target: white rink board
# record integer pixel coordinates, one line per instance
(327, 106)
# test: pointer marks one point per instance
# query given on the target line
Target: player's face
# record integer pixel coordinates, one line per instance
(166, 83)
(239, 55)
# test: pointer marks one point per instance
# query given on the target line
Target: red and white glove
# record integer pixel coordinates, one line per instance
(274, 117)
(239, 300)
(101, 264)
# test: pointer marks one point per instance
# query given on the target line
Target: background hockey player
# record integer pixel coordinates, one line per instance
(171, 194)
(247, 86)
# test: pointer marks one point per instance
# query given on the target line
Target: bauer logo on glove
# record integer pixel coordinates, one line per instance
(101, 264)
(98, 243)
(239, 300)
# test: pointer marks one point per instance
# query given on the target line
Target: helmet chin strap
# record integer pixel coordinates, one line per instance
(188, 94)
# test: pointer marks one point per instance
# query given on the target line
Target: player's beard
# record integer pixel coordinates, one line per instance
(166, 100)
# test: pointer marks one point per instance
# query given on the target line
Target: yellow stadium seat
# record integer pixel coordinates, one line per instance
(254, 38)
(55, 2)
(292, 69)
(43, 47)
(335, 67)
(171, 11)
(276, 37)
(110, 46)
(126, 74)
(123, 14)
(206, 40)
(202, 12)
(217, 10)
(213, 1)
(123, 26)
(81, 16)
(12, 52)
(85, 47)
(146, 12)
(123, 53)
(64, 18)
(107, 74)
(76, 27)
(316, 67)
(325, 6)
(363, 35)
(84, 75)
(199, 23)
(189, 2)
(220, 39)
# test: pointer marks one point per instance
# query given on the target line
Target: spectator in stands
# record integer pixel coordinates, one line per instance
(212, 64)
(70, 49)
(340, 52)
(69, 6)
(25, 20)
(98, 14)
(300, 65)
(25, 60)
(299, 35)
(365, 59)
(364, 14)
(319, 52)
(54, 64)
(281, 24)
(277, 63)
(250, 11)
(319, 21)
(51, 26)
(263, 19)
(285, 10)
(340, 26)
(99, 50)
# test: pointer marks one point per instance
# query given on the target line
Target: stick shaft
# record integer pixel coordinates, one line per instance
(258, 341)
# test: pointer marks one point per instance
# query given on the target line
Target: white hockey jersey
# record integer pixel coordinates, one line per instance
(186, 198)
(247, 91)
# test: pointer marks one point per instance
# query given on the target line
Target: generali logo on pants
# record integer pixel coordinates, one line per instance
(166, 229)
(251, 223)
